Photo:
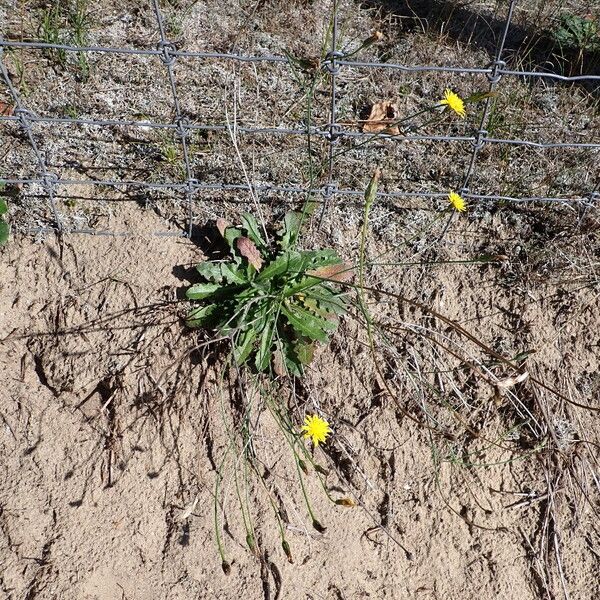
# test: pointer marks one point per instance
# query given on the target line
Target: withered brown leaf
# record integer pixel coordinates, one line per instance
(340, 272)
(381, 119)
(512, 381)
(222, 225)
(249, 250)
(6, 110)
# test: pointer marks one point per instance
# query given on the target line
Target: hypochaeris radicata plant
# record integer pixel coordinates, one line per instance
(273, 301)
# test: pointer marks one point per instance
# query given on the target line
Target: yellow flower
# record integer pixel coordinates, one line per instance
(454, 102)
(457, 201)
(316, 428)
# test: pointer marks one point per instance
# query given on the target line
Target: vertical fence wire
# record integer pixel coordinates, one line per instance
(47, 180)
(494, 77)
(332, 66)
(168, 58)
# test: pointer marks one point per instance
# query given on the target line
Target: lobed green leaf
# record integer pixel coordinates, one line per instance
(291, 228)
(232, 274)
(211, 271)
(243, 345)
(202, 317)
(286, 262)
(202, 290)
(251, 225)
(4, 232)
(307, 324)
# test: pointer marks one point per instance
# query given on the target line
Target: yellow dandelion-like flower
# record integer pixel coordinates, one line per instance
(457, 201)
(454, 102)
(316, 428)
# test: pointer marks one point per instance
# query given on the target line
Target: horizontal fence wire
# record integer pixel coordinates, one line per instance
(292, 189)
(283, 59)
(332, 131)
(285, 131)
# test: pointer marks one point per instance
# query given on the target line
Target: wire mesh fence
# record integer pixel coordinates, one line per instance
(46, 183)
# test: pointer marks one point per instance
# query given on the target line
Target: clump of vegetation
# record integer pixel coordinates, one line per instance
(273, 301)
(4, 226)
(66, 23)
(573, 32)
(49, 32)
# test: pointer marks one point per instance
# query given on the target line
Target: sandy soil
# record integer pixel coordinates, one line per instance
(112, 427)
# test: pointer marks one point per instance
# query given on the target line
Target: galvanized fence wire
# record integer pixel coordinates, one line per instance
(323, 131)
(494, 77)
(48, 180)
(182, 130)
(283, 59)
(332, 131)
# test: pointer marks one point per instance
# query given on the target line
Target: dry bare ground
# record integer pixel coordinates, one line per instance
(469, 438)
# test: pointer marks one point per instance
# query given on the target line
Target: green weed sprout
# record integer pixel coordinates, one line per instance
(274, 301)
(4, 226)
(577, 33)
(66, 23)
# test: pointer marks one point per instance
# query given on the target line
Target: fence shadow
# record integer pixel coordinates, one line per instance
(531, 47)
